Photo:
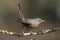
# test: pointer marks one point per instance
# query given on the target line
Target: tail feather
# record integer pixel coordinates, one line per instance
(19, 6)
(20, 12)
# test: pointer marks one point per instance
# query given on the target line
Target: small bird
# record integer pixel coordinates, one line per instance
(28, 23)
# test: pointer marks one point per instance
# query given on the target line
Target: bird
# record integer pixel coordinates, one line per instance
(26, 22)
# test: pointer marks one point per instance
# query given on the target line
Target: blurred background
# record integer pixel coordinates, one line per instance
(49, 10)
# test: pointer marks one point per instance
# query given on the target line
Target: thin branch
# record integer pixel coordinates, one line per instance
(5, 32)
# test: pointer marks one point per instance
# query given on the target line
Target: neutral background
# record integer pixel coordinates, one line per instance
(49, 10)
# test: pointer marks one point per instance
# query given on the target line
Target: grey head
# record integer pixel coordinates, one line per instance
(39, 20)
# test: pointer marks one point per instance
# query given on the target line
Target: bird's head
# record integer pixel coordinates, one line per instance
(39, 20)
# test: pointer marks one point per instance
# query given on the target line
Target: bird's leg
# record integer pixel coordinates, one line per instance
(29, 29)
(31, 32)
(22, 30)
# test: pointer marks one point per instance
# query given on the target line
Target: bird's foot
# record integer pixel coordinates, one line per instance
(22, 33)
(30, 32)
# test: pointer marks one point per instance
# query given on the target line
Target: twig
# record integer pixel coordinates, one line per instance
(5, 32)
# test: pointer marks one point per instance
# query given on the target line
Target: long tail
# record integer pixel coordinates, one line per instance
(20, 12)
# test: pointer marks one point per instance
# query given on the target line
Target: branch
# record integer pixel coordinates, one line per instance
(5, 32)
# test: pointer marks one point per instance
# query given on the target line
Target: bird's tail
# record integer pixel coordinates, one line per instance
(20, 12)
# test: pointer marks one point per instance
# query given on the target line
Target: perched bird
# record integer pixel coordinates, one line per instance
(28, 23)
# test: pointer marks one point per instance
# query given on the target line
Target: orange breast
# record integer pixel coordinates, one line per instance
(34, 25)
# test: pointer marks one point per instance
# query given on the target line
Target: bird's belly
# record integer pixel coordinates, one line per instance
(34, 25)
